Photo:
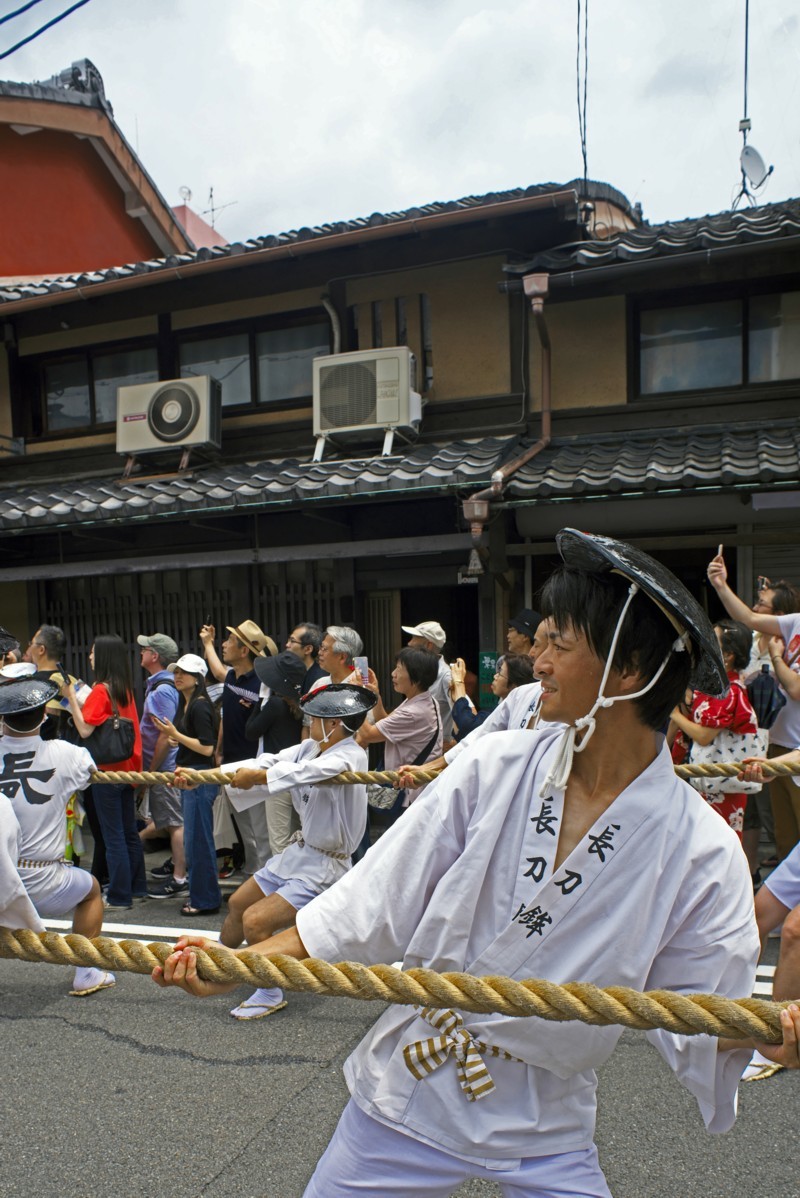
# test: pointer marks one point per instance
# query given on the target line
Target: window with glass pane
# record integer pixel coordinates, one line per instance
(66, 386)
(122, 369)
(691, 348)
(284, 360)
(775, 337)
(226, 359)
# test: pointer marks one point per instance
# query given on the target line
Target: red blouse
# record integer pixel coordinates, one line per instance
(97, 709)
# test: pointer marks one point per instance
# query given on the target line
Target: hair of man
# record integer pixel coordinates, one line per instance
(52, 640)
(112, 667)
(421, 665)
(785, 597)
(352, 723)
(345, 641)
(24, 721)
(590, 604)
(310, 634)
(519, 669)
(736, 639)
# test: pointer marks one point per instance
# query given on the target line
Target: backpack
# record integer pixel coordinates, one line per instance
(766, 697)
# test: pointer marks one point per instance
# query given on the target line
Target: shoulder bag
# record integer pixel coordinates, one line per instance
(383, 797)
(114, 739)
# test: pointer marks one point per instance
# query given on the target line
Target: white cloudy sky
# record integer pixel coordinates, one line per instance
(304, 111)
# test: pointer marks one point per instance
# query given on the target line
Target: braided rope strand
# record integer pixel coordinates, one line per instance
(721, 769)
(696, 1014)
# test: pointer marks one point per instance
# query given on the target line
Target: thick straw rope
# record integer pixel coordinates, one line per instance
(686, 1014)
(722, 769)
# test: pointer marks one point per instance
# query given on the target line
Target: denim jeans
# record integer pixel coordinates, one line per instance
(115, 808)
(198, 842)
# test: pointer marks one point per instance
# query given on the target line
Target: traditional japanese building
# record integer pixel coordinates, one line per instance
(575, 366)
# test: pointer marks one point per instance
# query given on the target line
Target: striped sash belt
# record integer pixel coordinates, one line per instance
(297, 838)
(424, 1056)
(27, 863)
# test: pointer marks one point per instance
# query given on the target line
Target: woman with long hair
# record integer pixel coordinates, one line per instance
(195, 731)
(114, 803)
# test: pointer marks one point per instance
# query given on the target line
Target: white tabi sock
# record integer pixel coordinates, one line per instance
(260, 1003)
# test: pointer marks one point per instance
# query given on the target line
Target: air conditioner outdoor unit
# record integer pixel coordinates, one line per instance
(359, 394)
(175, 413)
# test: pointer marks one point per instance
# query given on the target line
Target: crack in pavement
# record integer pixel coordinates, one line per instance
(161, 1050)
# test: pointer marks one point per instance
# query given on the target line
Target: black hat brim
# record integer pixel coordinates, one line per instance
(26, 694)
(597, 554)
(338, 701)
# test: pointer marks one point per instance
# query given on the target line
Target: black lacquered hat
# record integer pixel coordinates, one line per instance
(284, 674)
(337, 701)
(25, 694)
(598, 554)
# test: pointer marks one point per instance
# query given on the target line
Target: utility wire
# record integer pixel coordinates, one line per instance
(43, 29)
(582, 99)
(19, 11)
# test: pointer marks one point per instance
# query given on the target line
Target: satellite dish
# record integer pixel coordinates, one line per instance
(186, 193)
(753, 166)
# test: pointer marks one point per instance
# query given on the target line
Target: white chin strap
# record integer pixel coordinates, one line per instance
(326, 736)
(561, 768)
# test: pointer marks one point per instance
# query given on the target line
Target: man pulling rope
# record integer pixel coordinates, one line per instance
(574, 852)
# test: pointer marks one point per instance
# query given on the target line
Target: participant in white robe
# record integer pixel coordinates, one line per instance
(674, 911)
(16, 909)
(332, 817)
(518, 710)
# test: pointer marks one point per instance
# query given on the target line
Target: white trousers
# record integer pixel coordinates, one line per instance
(368, 1159)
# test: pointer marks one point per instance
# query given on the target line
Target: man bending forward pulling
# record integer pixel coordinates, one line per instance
(532, 860)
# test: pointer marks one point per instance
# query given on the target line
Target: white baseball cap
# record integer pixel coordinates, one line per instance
(190, 663)
(429, 630)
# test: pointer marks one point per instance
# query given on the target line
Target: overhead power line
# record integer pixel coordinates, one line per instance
(32, 37)
(18, 12)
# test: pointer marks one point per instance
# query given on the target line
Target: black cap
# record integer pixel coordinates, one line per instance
(597, 554)
(25, 694)
(284, 673)
(526, 621)
(338, 701)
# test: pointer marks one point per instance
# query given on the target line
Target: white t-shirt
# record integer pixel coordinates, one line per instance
(786, 729)
(39, 777)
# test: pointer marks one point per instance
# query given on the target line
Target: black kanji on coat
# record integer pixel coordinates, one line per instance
(16, 774)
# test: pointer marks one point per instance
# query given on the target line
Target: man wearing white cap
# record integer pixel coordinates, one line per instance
(524, 858)
(431, 636)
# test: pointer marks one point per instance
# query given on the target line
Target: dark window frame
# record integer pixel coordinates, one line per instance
(251, 327)
(692, 298)
(34, 367)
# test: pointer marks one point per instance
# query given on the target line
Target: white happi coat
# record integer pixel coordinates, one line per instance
(16, 909)
(657, 895)
(332, 818)
(40, 777)
(515, 712)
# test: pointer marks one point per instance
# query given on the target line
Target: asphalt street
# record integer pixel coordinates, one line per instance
(141, 1092)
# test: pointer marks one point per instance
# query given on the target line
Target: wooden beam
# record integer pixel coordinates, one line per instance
(337, 551)
(712, 538)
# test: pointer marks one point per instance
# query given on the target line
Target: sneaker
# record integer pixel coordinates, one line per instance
(227, 869)
(169, 889)
(162, 871)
